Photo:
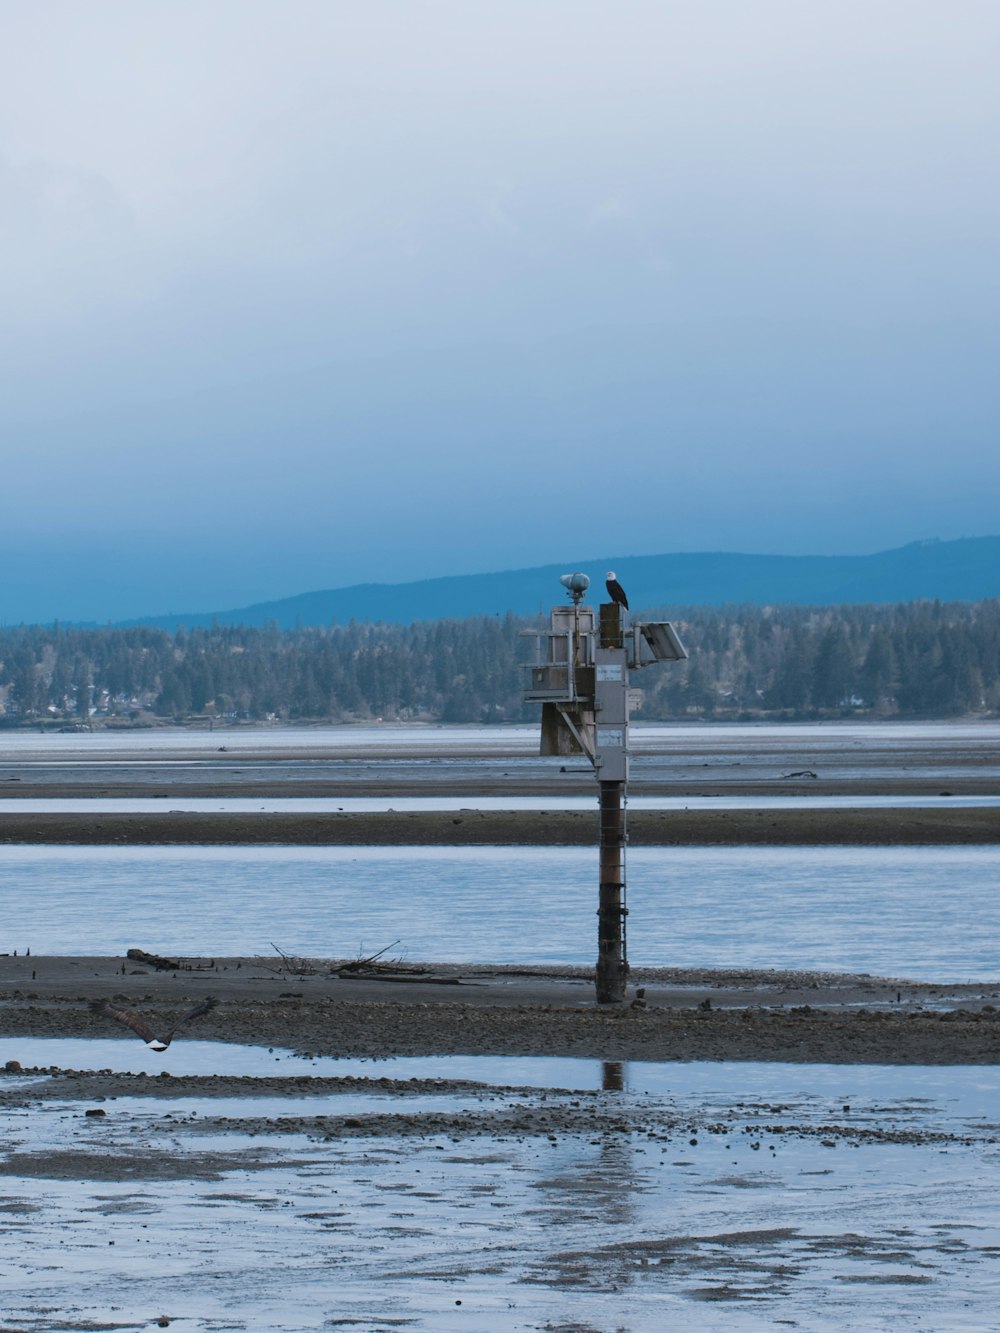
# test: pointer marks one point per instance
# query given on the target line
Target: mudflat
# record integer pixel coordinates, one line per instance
(797, 827)
(327, 1008)
(543, 1193)
(488, 765)
(323, 1007)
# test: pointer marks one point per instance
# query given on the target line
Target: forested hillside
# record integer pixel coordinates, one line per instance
(965, 570)
(922, 659)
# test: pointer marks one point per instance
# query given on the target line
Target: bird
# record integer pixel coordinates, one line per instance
(615, 590)
(130, 1019)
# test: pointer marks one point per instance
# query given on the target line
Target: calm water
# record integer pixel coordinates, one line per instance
(300, 805)
(953, 1097)
(720, 1233)
(86, 746)
(928, 912)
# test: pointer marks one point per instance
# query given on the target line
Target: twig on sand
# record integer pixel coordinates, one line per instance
(301, 967)
(361, 964)
(368, 965)
(365, 965)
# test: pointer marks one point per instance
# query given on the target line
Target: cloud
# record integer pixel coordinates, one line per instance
(262, 261)
(611, 209)
(68, 242)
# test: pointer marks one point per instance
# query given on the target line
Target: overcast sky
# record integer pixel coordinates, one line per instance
(298, 293)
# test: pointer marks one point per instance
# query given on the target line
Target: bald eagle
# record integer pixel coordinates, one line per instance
(130, 1019)
(615, 590)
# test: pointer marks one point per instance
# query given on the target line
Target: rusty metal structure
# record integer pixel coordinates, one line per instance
(580, 676)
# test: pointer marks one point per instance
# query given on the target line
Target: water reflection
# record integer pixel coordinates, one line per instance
(613, 1076)
(598, 1184)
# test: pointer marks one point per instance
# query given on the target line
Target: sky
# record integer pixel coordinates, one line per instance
(298, 294)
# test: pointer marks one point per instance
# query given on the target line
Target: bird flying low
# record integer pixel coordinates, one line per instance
(615, 590)
(130, 1019)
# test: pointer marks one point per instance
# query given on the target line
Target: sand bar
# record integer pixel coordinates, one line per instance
(475, 1010)
(892, 827)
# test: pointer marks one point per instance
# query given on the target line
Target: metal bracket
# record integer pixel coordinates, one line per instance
(574, 731)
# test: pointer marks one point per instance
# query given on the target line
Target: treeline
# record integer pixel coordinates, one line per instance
(918, 659)
(922, 659)
(456, 670)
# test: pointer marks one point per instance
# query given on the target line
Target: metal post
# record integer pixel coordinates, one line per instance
(582, 683)
(612, 768)
(612, 964)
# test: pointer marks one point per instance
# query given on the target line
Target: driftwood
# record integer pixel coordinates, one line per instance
(409, 977)
(153, 960)
(369, 964)
(367, 967)
(300, 967)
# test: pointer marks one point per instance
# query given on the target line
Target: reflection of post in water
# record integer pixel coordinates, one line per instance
(615, 1180)
(612, 1076)
(603, 1178)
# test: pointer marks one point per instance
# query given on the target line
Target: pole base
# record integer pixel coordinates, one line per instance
(611, 980)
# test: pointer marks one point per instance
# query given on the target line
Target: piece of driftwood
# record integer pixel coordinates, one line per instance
(300, 967)
(153, 960)
(369, 963)
(409, 978)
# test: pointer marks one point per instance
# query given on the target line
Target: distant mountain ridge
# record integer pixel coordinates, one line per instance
(959, 571)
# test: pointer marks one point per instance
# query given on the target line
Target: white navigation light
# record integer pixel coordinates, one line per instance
(575, 584)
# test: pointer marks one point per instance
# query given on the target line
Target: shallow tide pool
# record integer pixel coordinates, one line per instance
(965, 1093)
(802, 1212)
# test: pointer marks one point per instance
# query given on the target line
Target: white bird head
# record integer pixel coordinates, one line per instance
(610, 574)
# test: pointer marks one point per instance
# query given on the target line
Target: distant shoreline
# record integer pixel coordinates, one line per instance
(909, 826)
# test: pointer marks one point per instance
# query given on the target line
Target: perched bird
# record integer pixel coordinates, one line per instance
(130, 1019)
(615, 590)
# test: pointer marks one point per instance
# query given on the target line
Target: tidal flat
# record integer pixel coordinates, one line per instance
(795, 1127)
(486, 1148)
(746, 1196)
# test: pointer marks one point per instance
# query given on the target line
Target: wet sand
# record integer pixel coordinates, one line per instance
(144, 1202)
(436, 1010)
(700, 761)
(750, 1208)
(933, 761)
(753, 1016)
(962, 825)
(535, 1115)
